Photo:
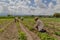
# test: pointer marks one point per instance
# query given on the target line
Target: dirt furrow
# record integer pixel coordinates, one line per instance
(30, 35)
(11, 33)
(2, 25)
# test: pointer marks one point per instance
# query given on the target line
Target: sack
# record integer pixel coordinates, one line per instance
(43, 30)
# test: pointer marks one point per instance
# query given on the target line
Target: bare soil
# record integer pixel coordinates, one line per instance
(30, 35)
(10, 33)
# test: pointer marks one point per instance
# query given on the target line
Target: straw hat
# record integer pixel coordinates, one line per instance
(36, 18)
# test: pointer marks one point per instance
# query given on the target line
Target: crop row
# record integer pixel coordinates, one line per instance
(21, 34)
(6, 25)
(4, 22)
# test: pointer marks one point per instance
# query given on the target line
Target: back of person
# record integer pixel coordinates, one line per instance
(16, 19)
(39, 24)
(22, 18)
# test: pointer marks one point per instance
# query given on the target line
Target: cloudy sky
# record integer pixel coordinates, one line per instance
(29, 7)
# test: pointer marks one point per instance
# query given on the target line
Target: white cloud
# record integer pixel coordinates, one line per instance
(54, 0)
(51, 5)
(29, 2)
(1, 9)
(57, 7)
(45, 1)
(21, 7)
(36, 1)
(58, 1)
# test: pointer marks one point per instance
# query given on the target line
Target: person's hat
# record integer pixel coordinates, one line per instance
(36, 18)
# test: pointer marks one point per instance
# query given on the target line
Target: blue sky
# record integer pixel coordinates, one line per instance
(32, 1)
(45, 2)
(48, 1)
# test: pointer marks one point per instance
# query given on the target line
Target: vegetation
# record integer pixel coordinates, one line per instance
(57, 33)
(21, 35)
(45, 36)
(4, 23)
(53, 24)
(56, 15)
(50, 23)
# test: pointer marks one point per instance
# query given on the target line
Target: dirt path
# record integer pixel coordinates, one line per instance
(30, 35)
(10, 33)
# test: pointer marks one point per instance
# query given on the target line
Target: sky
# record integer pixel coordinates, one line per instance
(29, 7)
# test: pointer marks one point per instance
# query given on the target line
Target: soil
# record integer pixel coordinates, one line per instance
(30, 35)
(51, 33)
(4, 24)
(10, 33)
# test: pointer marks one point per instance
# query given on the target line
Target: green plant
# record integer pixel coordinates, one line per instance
(4, 23)
(29, 23)
(56, 15)
(22, 36)
(1, 30)
(57, 33)
(45, 36)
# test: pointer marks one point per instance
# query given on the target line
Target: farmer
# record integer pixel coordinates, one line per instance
(39, 25)
(16, 19)
(22, 18)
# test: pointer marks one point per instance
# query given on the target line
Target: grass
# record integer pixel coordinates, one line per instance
(22, 36)
(51, 23)
(57, 33)
(6, 25)
(2, 21)
(48, 22)
(1, 30)
(45, 36)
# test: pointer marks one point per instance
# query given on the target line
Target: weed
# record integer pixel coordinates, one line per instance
(57, 33)
(22, 36)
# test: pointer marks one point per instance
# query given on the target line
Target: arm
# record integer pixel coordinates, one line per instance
(36, 25)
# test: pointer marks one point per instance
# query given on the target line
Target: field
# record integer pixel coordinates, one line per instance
(24, 30)
(52, 25)
(9, 30)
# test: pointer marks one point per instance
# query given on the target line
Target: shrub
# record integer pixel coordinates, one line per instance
(1, 30)
(45, 36)
(22, 36)
(56, 15)
(57, 33)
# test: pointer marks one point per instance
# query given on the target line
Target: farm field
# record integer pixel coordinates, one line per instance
(4, 22)
(9, 30)
(24, 30)
(52, 25)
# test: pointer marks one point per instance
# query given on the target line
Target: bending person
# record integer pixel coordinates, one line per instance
(39, 25)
